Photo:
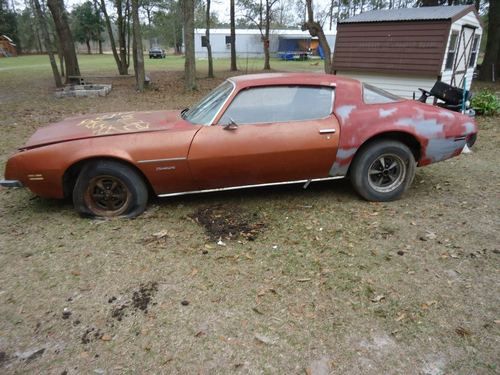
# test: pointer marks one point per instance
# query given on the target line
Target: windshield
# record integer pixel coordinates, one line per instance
(204, 112)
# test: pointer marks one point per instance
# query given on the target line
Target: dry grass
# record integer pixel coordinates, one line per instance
(329, 282)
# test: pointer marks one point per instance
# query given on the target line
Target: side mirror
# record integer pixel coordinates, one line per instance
(231, 125)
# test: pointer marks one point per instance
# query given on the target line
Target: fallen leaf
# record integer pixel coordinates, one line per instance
(378, 298)
(255, 309)
(194, 272)
(265, 340)
(106, 338)
(461, 331)
(160, 234)
(400, 317)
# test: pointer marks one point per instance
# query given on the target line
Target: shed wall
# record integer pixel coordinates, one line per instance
(405, 47)
(469, 19)
(400, 85)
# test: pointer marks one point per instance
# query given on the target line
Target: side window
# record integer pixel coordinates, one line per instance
(279, 104)
(474, 51)
(452, 50)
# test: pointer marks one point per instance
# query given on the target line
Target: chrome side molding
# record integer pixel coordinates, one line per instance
(251, 186)
(161, 160)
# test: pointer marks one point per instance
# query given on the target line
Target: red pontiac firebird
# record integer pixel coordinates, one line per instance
(252, 130)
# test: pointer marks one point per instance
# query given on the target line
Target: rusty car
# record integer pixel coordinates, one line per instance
(252, 130)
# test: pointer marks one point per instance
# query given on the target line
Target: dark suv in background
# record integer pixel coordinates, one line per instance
(157, 53)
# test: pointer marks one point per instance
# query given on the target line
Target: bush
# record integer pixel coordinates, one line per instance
(485, 103)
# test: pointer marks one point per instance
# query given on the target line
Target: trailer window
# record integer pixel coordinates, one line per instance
(374, 95)
(452, 50)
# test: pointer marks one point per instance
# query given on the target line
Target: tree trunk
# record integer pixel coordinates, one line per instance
(316, 30)
(138, 53)
(89, 50)
(99, 41)
(110, 33)
(491, 59)
(234, 68)
(267, 65)
(43, 27)
(64, 33)
(209, 46)
(127, 30)
(189, 63)
(122, 67)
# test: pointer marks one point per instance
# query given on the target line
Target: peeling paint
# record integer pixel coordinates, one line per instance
(386, 112)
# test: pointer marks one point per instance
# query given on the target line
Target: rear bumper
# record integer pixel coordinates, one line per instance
(11, 183)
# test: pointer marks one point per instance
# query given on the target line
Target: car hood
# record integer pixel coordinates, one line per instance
(107, 124)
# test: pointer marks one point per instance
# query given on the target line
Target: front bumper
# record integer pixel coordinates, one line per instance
(11, 183)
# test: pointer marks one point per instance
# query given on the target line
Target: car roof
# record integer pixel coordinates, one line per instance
(264, 79)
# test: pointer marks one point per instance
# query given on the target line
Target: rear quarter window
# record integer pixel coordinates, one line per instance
(374, 95)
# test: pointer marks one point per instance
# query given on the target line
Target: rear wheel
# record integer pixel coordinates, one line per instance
(108, 189)
(383, 170)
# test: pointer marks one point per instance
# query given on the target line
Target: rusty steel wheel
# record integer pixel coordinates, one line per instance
(109, 188)
(107, 196)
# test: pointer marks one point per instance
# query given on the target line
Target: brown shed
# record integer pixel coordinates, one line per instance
(7, 47)
(401, 50)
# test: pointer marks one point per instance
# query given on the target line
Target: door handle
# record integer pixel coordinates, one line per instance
(327, 131)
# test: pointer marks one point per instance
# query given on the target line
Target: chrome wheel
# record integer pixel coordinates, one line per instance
(386, 173)
(107, 196)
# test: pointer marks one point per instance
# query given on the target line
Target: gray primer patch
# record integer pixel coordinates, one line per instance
(447, 114)
(427, 128)
(342, 154)
(469, 127)
(386, 112)
(345, 111)
(441, 148)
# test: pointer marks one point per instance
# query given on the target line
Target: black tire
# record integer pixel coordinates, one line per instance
(108, 188)
(383, 170)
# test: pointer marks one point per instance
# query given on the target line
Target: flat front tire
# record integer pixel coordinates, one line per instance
(383, 170)
(109, 189)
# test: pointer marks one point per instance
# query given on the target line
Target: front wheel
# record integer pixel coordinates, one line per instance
(107, 188)
(383, 170)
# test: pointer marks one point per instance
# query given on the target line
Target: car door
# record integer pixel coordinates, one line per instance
(268, 134)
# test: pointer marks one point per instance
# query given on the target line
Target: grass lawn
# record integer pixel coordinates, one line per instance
(312, 281)
(95, 64)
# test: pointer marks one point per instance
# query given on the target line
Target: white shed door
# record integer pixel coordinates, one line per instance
(465, 42)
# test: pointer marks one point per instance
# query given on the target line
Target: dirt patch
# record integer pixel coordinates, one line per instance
(224, 222)
(90, 335)
(141, 299)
